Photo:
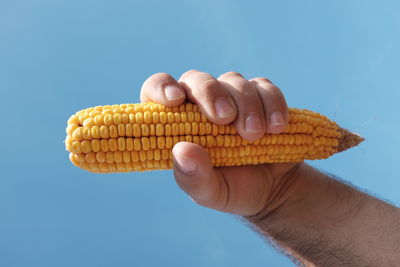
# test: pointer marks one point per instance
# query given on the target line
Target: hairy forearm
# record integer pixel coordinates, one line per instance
(324, 222)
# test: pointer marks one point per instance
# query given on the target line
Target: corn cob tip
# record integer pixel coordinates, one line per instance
(348, 139)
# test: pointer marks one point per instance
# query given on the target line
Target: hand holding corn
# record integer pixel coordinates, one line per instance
(138, 137)
(199, 122)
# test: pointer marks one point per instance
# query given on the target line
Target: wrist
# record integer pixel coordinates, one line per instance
(303, 194)
(286, 188)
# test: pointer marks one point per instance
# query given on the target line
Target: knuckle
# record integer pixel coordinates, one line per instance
(245, 88)
(267, 86)
(206, 200)
(188, 73)
(271, 88)
(275, 92)
(208, 86)
(158, 79)
(262, 80)
(161, 76)
(201, 202)
(230, 74)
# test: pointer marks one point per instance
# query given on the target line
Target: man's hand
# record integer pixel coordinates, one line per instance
(255, 107)
(313, 217)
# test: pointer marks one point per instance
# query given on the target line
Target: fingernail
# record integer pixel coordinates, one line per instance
(173, 93)
(253, 123)
(185, 164)
(277, 123)
(223, 108)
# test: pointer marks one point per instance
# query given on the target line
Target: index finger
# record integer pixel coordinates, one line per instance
(162, 88)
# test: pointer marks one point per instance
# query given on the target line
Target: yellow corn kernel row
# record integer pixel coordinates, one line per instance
(179, 129)
(152, 113)
(223, 152)
(137, 137)
(161, 142)
(219, 156)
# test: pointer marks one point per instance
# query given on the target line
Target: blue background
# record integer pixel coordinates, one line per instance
(340, 58)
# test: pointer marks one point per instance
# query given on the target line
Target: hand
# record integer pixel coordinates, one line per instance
(318, 220)
(255, 107)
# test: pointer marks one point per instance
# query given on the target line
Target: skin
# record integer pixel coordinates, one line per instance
(314, 218)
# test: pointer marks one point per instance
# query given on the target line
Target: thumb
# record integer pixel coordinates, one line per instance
(196, 176)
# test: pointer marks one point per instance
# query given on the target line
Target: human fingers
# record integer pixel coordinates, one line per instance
(162, 88)
(242, 190)
(210, 95)
(275, 107)
(250, 121)
(196, 176)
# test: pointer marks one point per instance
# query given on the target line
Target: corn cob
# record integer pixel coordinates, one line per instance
(140, 137)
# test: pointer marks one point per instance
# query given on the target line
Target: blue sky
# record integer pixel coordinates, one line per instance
(340, 58)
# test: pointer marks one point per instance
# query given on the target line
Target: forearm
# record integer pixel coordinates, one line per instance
(324, 222)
